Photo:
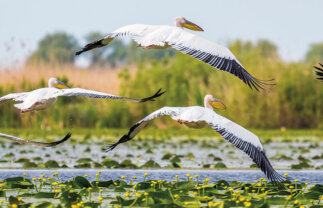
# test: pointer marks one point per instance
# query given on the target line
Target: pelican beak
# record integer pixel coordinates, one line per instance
(190, 25)
(215, 103)
(61, 85)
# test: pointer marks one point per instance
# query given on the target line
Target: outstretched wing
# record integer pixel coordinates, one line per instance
(244, 140)
(18, 97)
(319, 72)
(42, 144)
(95, 94)
(135, 129)
(215, 55)
(136, 30)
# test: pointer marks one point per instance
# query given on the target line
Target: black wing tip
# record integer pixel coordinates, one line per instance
(110, 147)
(79, 52)
(319, 73)
(258, 84)
(67, 136)
(157, 94)
(269, 171)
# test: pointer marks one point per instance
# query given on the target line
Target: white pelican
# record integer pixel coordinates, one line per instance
(164, 36)
(199, 117)
(45, 97)
(42, 144)
(319, 73)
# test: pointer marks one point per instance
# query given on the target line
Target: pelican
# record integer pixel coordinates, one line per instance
(164, 36)
(42, 144)
(319, 73)
(199, 117)
(44, 98)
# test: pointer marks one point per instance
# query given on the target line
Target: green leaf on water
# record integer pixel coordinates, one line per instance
(22, 160)
(110, 163)
(14, 179)
(45, 195)
(150, 164)
(81, 182)
(167, 156)
(70, 197)
(220, 165)
(43, 205)
(119, 189)
(91, 204)
(84, 160)
(103, 183)
(127, 164)
(51, 164)
(184, 185)
(83, 165)
(301, 165)
(175, 159)
(28, 164)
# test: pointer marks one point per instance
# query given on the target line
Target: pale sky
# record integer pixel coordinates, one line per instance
(290, 24)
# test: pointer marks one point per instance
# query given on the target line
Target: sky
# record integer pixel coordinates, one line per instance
(293, 25)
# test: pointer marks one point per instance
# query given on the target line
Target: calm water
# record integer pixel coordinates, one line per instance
(312, 177)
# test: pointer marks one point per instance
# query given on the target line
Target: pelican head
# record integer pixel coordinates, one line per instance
(182, 22)
(211, 102)
(54, 82)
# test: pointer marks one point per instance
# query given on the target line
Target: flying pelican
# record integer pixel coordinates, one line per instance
(199, 117)
(319, 73)
(42, 144)
(164, 36)
(43, 98)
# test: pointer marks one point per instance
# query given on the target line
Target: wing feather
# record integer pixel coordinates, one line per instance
(18, 97)
(135, 129)
(136, 31)
(42, 144)
(319, 72)
(245, 141)
(202, 49)
(95, 94)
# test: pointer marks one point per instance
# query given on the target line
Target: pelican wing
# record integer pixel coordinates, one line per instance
(213, 54)
(244, 140)
(319, 72)
(135, 129)
(136, 31)
(42, 144)
(95, 94)
(18, 97)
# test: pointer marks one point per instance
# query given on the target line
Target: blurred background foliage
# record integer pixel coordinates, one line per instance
(295, 101)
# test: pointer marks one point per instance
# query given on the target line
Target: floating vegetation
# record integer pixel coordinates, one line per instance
(165, 152)
(51, 191)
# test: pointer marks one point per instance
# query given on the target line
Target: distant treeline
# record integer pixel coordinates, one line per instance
(60, 48)
(295, 101)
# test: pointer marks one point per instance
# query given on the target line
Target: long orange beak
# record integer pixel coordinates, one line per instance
(61, 85)
(192, 26)
(215, 103)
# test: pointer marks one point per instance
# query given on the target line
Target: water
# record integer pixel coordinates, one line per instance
(312, 177)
